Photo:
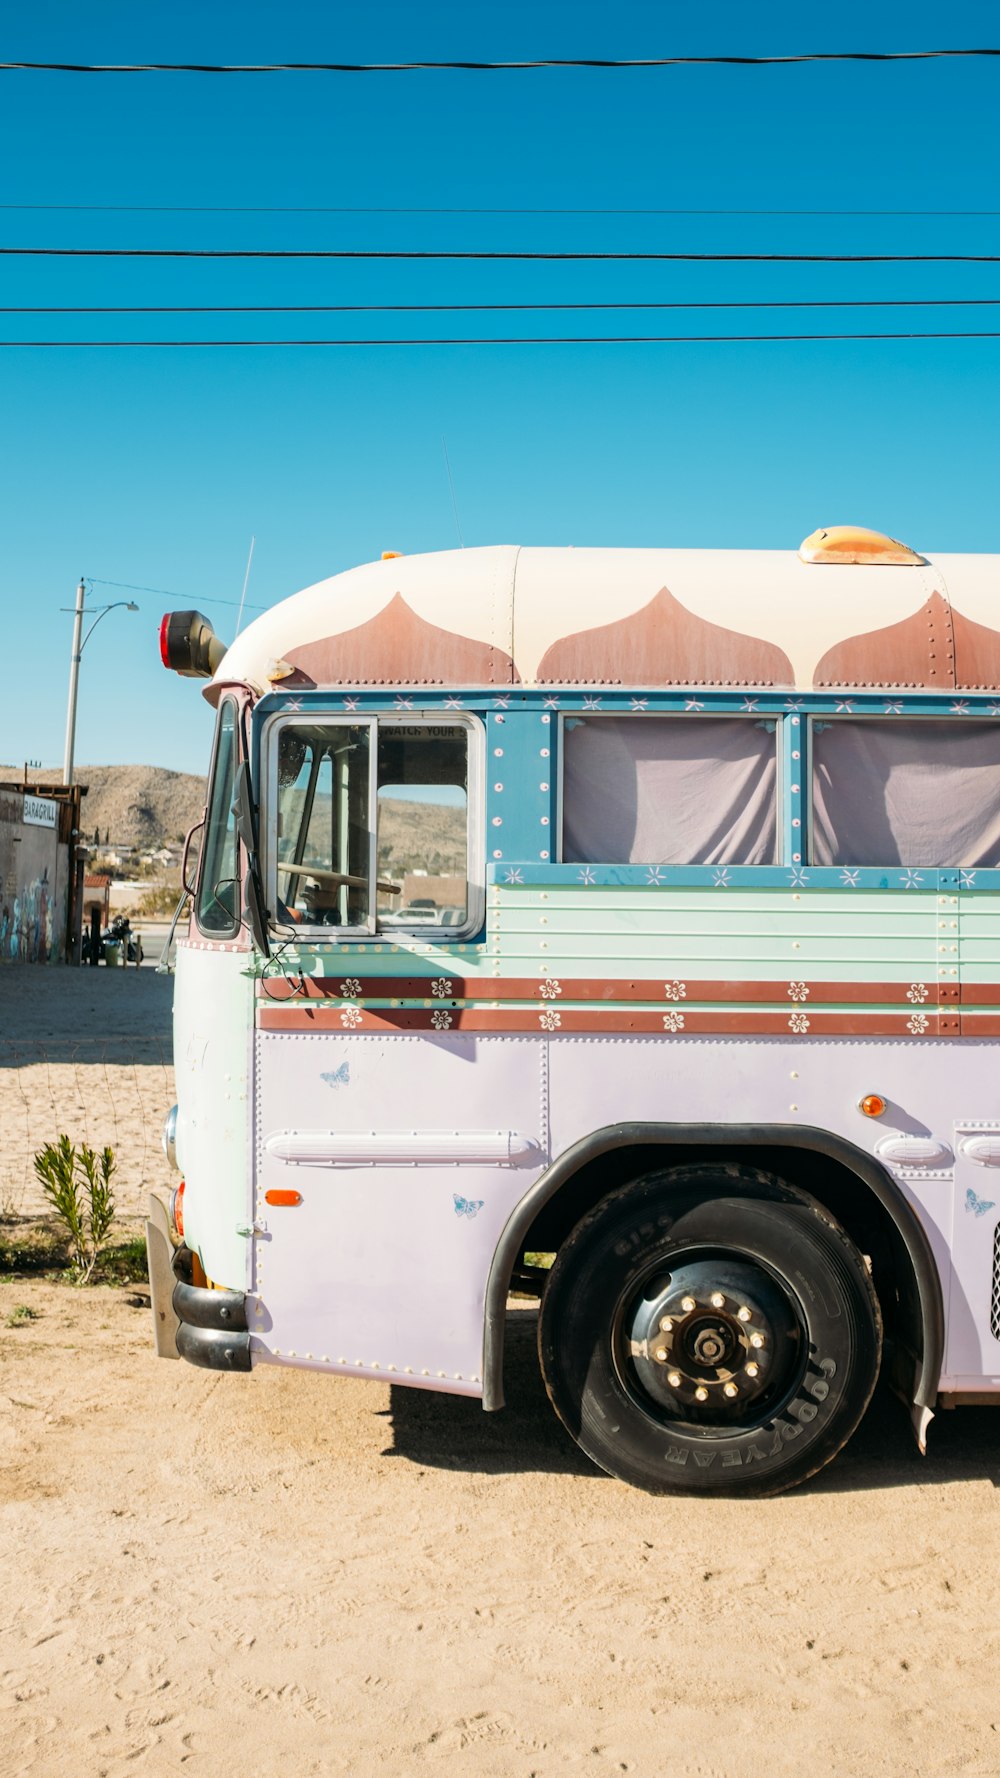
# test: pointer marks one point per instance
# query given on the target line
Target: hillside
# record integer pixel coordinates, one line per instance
(140, 806)
(144, 806)
(148, 806)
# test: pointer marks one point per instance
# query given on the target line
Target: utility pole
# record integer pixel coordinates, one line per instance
(74, 675)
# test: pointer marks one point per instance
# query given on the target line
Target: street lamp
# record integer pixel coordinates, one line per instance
(74, 664)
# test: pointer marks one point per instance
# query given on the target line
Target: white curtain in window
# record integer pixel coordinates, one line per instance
(906, 792)
(669, 790)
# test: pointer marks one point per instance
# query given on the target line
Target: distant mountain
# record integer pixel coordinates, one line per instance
(148, 807)
(144, 806)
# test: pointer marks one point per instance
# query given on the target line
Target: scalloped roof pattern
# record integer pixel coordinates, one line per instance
(638, 617)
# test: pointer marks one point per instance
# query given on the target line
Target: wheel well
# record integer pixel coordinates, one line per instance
(908, 1289)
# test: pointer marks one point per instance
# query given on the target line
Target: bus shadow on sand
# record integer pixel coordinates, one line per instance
(452, 1432)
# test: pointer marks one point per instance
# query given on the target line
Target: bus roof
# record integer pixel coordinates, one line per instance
(505, 615)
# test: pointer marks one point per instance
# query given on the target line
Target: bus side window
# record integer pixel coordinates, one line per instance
(217, 910)
(669, 790)
(912, 792)
(423, 818)
(323, 829)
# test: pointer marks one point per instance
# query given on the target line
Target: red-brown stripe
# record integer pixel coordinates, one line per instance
(614, 1021)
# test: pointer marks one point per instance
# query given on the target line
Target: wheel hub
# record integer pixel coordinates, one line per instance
(711, 1344)
(709, 1340)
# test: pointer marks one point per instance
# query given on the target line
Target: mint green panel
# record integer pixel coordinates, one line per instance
(708, 921)
(850, 904)
(588, 953)
(329, 961)
(768, 935)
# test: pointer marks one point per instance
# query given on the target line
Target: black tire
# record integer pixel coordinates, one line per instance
(769, 1312)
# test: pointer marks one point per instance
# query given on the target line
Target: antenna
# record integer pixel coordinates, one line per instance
(246, 578)
(451, 484)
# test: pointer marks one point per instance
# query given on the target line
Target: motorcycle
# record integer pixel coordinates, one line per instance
(119, 933)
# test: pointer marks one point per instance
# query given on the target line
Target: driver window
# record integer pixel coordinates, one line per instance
(218, 888)
(324, 828)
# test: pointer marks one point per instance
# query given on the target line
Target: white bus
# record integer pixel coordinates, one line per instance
(620, 927)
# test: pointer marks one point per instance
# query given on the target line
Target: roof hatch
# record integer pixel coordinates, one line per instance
(855, 543)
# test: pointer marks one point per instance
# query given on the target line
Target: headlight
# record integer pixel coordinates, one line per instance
(170, 1136)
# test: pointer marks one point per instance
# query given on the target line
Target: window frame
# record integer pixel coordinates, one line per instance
(373, 720)
(828, 719)
(221, 934)
(757, 716)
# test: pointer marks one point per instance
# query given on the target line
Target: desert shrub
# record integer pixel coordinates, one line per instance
(21, 1314)
(77, 1184)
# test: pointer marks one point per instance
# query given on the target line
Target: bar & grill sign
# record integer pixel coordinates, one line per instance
(39, 811)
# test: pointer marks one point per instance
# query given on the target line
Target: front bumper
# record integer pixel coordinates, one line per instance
(207, 1327)
(212, 1323)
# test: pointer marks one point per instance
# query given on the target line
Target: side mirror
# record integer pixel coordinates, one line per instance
(186, 859)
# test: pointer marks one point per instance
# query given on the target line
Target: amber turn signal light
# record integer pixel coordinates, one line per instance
(872, 1104)
(177, 1209)
(282, 1198)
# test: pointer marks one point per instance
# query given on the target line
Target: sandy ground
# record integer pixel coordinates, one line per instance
(88, 1052)
(290, 1576)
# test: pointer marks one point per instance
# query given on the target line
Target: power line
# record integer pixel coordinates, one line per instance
(451, 210)
(364, 253)
(478, 67)
(165, 593)
(879, 302)
(678, 339)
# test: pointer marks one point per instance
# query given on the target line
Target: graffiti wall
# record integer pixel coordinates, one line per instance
(34, 881)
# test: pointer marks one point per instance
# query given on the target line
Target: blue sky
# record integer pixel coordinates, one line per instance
(155, 468)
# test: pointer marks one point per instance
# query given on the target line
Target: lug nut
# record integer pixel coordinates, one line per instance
(757, 1340)
(687, 1304)
(730, 1390)
(701, 1394)
(674, 1379)
(743, 1314)
(752, 1370)
(718, 1300)
(666, 1325)
(660, 1354)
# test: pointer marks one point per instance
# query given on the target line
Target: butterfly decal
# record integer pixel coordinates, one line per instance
(467, 1206)
(338, 1077)
(978, 1206)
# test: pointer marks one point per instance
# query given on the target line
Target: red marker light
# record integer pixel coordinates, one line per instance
(177, 1209)
(189, 645)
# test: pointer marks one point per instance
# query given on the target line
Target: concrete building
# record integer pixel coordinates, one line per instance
(38, 876)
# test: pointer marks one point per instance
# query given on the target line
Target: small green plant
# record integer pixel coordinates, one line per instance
(78, 1186)
(19, 1315)
(10, 1204)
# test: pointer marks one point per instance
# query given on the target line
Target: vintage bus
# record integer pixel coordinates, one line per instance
(619, 927)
